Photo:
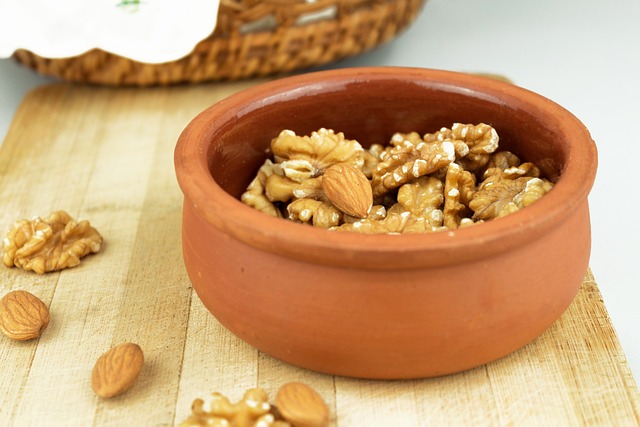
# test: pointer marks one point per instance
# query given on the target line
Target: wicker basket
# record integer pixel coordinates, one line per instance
(252, 38)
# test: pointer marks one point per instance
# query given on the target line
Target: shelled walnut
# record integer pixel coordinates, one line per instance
(459, 189)
(409, 161)
(255, 196)
(50, 244)
(303, 157)
(254, 410)
(297, 405)
(452, 178)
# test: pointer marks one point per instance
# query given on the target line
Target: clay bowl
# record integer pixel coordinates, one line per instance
(383, 306)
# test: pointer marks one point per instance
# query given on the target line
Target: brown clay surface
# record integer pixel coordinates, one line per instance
(383, 306)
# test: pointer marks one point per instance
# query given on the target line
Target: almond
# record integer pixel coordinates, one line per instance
(116, 370)
(301, 406)
(23, 316)
(348, 189)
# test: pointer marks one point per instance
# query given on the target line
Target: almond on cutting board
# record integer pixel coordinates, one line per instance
(302, 406)
(23, 316)
(117, 369)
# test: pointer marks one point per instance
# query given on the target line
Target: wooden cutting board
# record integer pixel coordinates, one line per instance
(106, 155)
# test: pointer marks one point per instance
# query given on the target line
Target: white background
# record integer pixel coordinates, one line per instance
(583, 54)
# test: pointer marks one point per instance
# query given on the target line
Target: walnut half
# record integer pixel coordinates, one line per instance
(254, 410)
(50, 244)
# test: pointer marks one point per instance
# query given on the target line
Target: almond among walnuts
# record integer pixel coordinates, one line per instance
(116, 370)
(348, 189)
(23, 316)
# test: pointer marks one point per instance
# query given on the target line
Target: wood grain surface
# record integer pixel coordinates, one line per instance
(106, 155)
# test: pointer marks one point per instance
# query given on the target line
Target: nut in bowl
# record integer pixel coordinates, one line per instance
(383, 305)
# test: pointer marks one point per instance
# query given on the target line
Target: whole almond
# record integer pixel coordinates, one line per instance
(23, 316)
(348, 189)
(117, 369)
(301, 406)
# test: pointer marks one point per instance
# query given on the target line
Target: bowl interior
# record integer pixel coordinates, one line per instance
(221, 150)
(370, 111)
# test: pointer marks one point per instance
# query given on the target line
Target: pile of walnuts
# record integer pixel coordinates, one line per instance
(445, 180)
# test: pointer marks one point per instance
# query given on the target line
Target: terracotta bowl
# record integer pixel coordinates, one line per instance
(383, 306)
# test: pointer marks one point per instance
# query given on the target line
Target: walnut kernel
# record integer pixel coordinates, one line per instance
(255, 195)
(254, 410)
(50, 244)
(408, 161)
(317, 212)
(459, 188)
(304, 157)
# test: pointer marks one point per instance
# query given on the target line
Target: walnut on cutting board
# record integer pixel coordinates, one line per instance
(296, 405)
(49, 244)
(254, 410)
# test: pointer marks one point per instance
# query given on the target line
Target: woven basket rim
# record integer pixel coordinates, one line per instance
(231, 54)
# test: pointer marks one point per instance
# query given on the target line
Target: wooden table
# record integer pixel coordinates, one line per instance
(106, 155)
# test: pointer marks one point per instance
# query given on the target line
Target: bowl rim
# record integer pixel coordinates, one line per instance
(382, 251)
